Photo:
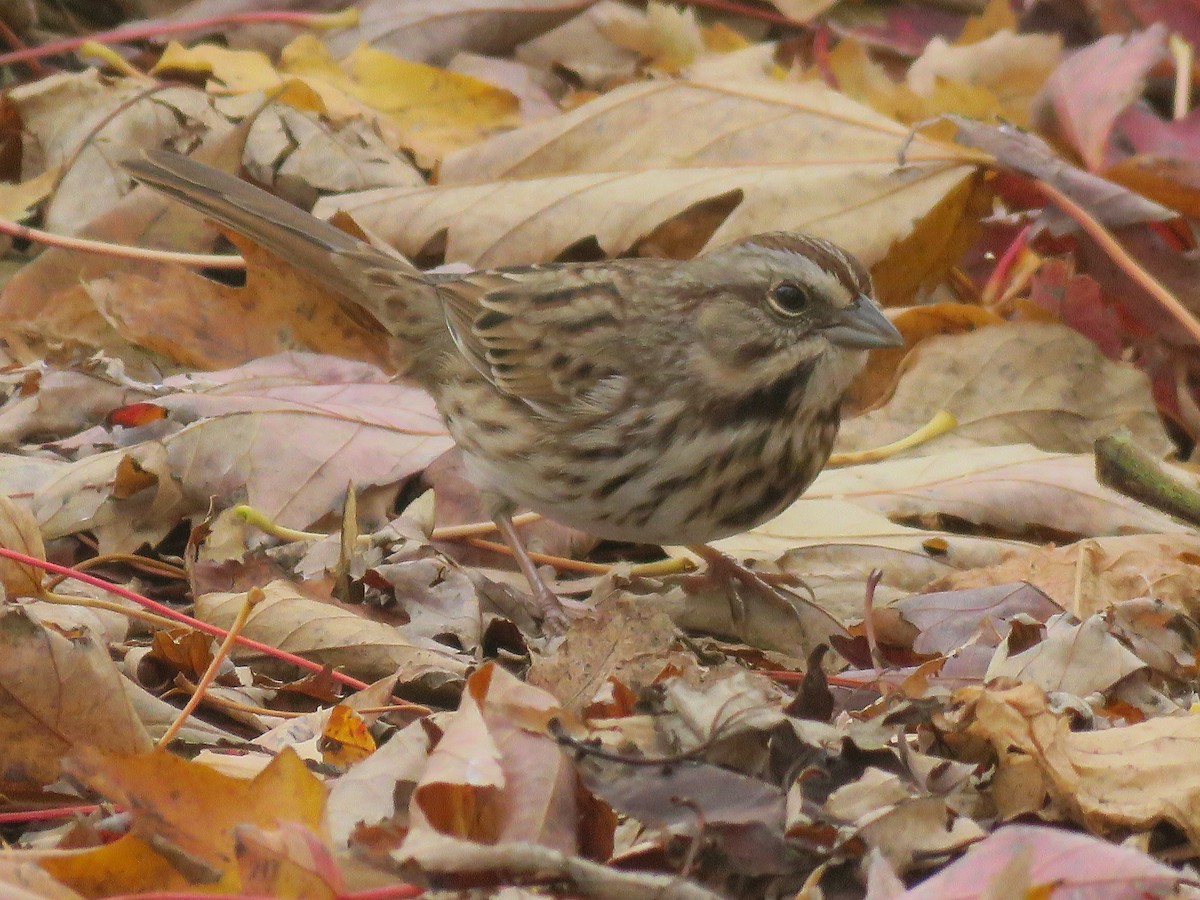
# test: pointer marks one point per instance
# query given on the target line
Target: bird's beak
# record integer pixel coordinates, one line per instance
(862, 326)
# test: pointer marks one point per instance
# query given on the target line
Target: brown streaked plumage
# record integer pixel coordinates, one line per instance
(646, 400)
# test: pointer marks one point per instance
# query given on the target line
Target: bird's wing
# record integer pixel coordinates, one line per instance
(548, 335)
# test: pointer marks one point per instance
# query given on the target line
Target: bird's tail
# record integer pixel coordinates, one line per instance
(383, 283)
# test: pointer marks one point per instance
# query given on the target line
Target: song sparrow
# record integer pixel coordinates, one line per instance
(638, 399)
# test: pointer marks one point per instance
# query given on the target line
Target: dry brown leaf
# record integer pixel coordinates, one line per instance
(940, 622)
(354, 424)
(1041, 384)
(59, 402)
(61, 113)
(301, 156)
(1127, 777)
(496, 775)
(738, 148)
(82, 496)
(710, 708)
(1010, 490)
(1092, 575)
(916, 323)
(839, 573)
(47, 296)
(199, 323)
(332, 635)
(740, 815)
(625, 640)
(19, 531)
(367, 793)
(904, 823)
(1076, 658)
(58, 693)
(187, 811)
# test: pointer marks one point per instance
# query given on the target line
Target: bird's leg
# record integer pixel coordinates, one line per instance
(770, 587)
(557, 612)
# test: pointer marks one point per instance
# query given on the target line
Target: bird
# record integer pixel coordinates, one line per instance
(637, 399)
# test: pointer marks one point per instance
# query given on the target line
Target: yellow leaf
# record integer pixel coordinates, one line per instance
(237, 70)
(428, 110)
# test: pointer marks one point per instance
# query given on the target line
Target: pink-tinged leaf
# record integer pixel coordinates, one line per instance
(904, 28)
(1078, 301)
(287, 434)
(1181, 17)
(1092, 88)
(434, 30)
(949, 619)
(1150, 134)
(294, 430)
(1071, 866)
(1178, 273)
(1023, 152)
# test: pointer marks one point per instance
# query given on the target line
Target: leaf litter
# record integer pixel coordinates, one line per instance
(969, 669)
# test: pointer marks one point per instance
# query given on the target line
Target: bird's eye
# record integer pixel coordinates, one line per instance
(789, 299)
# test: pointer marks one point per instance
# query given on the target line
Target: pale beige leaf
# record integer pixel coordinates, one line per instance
(367, 793)
(582, 47)
(1078, 658)
(496, 775)
(82, 496)
(23, 879)
(905, 826)
(1011, 490)
(1092, 575)
(62, 112)
(775, 156)
(1011, 67)
(301, 156)
(331, 635)
(1041, 384)
(61, 402)
(624, 641)
(815, 519)
(1127, 777)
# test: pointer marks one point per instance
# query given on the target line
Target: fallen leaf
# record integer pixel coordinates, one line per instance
(58, 694)
(1017, 383)
(1096, 83)
(496, 776)
(331, 635)
(1055, 861)
(550, 185)
(191, 810)
(1128, 777)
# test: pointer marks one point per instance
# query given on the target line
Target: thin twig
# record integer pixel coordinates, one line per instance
(254, 596)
